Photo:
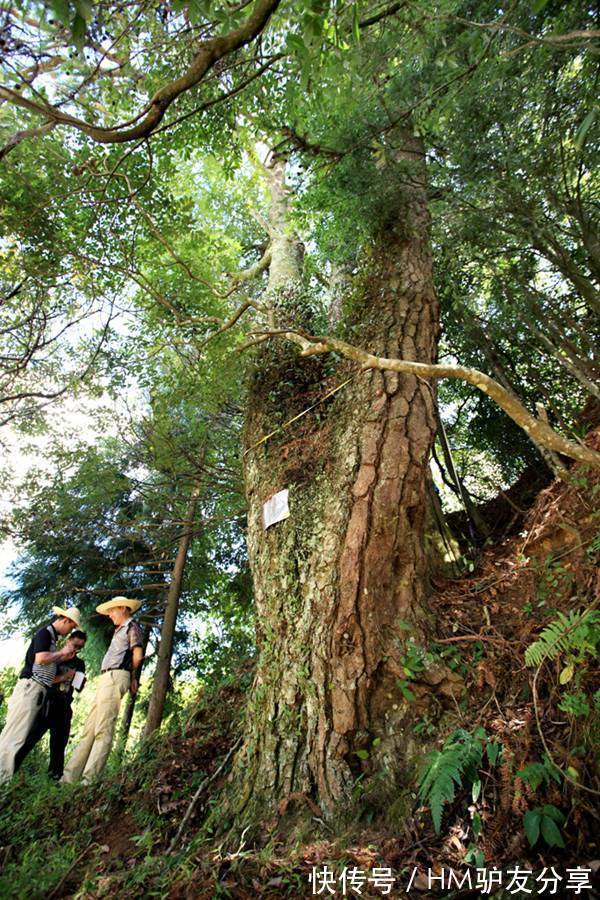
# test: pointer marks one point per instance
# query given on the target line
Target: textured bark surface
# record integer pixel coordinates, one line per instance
(338, 583)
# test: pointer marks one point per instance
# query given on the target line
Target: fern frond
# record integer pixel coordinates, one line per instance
(577, 631)
(445, 770)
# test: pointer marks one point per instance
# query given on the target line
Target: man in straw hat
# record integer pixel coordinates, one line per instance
(120, 671)
(38, 674)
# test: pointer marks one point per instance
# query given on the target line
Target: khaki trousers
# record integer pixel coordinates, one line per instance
(23, 707)
(90, 755)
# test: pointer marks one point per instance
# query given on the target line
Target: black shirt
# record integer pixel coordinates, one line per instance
(40, 643)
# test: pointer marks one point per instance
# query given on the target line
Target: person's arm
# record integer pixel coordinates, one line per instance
(42, 653)
(67, 675)
(46, 656)
(137, 660)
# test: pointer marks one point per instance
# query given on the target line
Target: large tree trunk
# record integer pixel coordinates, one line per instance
(341, 585)
(160, 683)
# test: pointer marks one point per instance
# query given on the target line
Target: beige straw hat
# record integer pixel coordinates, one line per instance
(104, 608)
(71, 613)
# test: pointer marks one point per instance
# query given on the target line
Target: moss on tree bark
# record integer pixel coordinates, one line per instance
(341, 585)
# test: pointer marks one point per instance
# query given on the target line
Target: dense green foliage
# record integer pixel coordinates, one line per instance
(575, 634)
(134, 254)
(137, 243)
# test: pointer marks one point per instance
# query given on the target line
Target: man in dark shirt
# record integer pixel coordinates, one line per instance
(41, 661)
(57, 713)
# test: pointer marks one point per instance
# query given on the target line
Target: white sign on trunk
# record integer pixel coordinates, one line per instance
(276, 508)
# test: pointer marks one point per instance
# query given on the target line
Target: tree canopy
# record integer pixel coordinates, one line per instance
(305, 245)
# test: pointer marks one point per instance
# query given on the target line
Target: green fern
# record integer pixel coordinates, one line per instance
(446, 769)
(579, 631)
(537, 773)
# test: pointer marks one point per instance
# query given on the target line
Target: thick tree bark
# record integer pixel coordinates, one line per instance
(160, 684)
(341, 583)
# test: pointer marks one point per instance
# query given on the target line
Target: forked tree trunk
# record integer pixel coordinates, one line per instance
(341, 585)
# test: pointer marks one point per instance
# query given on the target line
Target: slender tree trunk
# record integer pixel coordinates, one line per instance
(444, 551)
(565, 358)
(160, 682)
(461, 489)
(562, 259)
(342, 583)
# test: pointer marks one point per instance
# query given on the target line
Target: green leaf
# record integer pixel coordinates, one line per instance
(61, 10)
(550, 833)
(534, 774)
(585, 127)
(295, 43)
(531, 823)
(566, 633)
(476, 824)
(567, 673)
(492, 750)
(476, 789)
(552, 812)
(458, 761)
(78, 29)
(407, 693)
(362, 754)
(84, 9)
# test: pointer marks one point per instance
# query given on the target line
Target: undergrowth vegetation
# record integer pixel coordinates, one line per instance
(512, 778)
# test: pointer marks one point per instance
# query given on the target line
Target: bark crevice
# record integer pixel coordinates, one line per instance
(339, 582)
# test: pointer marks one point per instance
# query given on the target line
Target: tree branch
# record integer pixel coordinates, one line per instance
(24, 135)
(566, 41)
(210, 52)
(535, 428)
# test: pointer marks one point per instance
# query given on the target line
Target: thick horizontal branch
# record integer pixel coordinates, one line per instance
(209, 53)
(251, 272)
(537, 429)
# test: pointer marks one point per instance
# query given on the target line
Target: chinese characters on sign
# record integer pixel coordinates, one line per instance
(276, 508)
(516, 880)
